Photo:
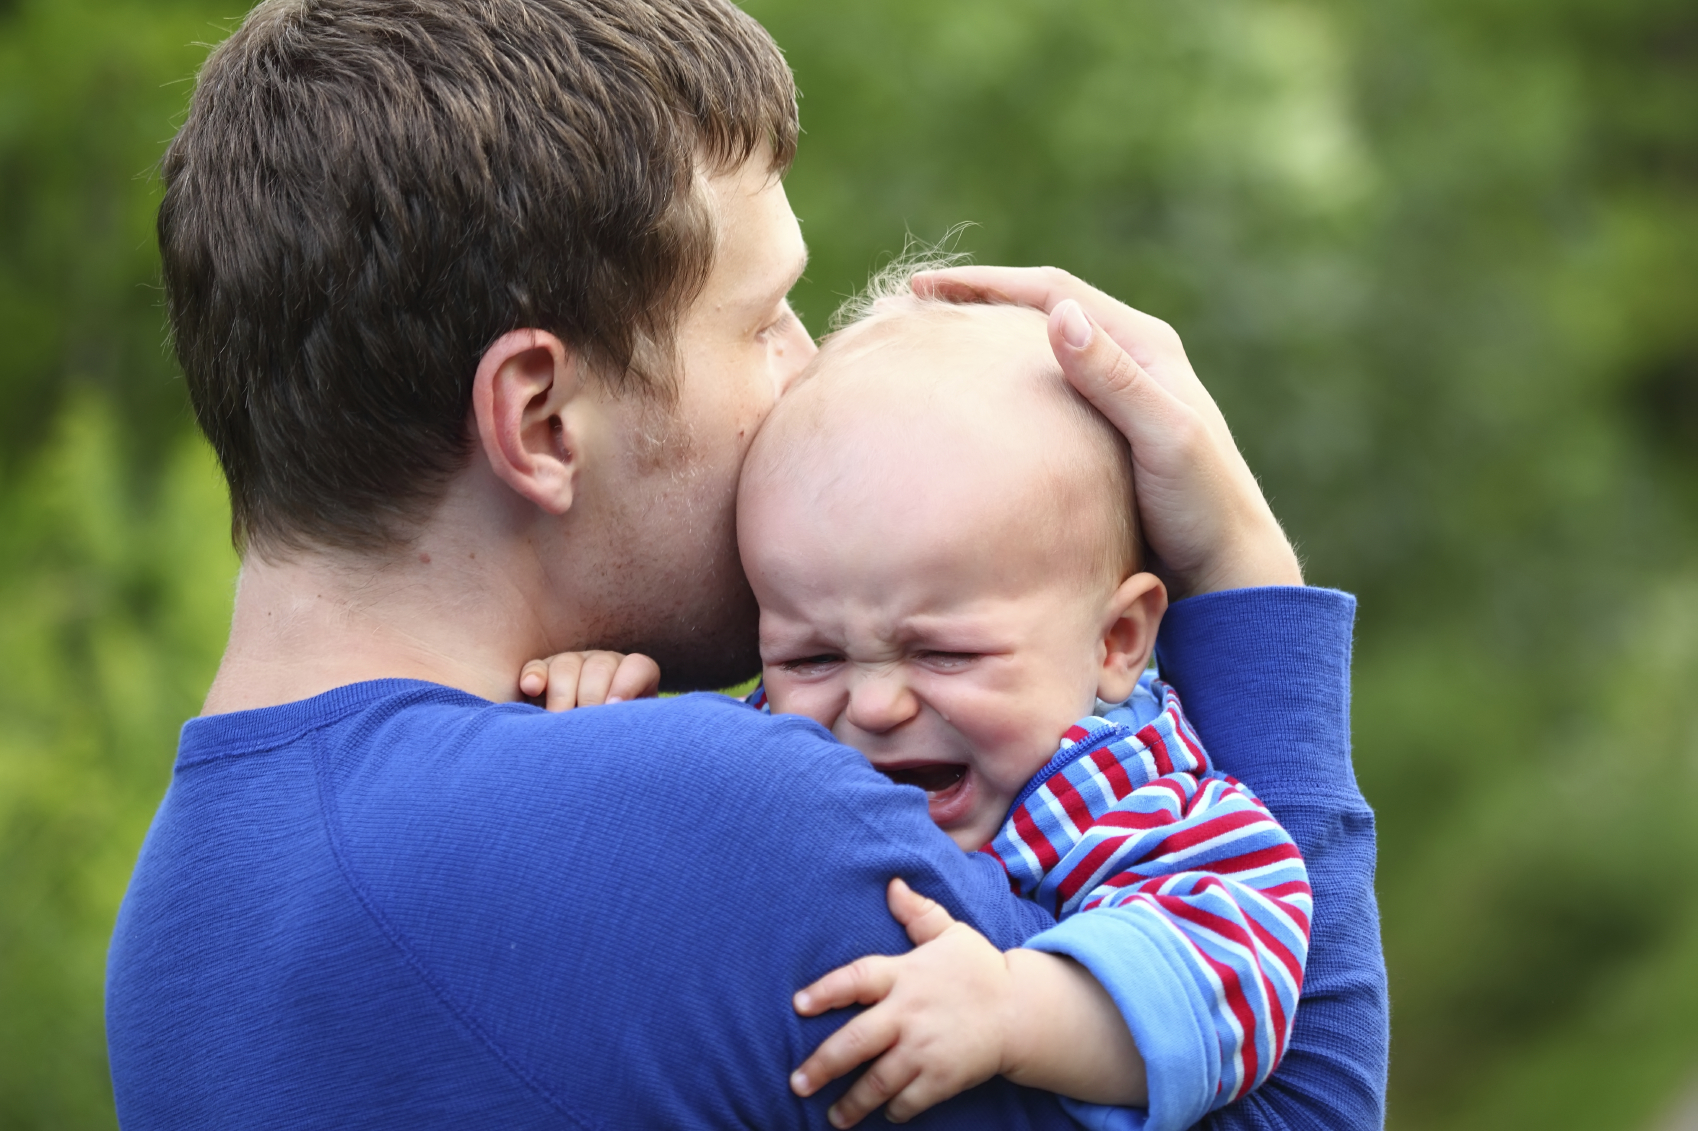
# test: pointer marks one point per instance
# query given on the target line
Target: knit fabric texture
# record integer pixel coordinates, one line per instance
(397, 905)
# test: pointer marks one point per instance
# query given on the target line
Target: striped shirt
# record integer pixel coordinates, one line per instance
(1130, 816)
(1139, 820)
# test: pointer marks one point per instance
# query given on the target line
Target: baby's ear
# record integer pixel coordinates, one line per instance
(1130, 621)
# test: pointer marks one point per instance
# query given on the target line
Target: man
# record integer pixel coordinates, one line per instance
(480, 304)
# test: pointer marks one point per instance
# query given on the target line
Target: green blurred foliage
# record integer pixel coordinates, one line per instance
(1439, 262)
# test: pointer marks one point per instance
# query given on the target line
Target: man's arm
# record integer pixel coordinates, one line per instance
(1264, 672)
(1265, 676)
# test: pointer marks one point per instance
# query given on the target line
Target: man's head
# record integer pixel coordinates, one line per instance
(375, 205)
(940, 534)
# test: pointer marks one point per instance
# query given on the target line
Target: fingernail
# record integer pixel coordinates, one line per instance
(611, 699)
(836, 1118)
(1075, 327)
(799, 1083)
(804, 1001)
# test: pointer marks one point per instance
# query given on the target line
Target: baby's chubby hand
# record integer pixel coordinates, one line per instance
(586, 679)
(939, 1021)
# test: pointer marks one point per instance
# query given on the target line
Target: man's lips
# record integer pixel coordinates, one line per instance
(933, 777)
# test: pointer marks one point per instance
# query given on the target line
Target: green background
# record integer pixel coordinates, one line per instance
(1438, 259)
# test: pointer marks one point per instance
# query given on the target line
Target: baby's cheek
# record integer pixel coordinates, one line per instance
(1009, 761)
(785, 697)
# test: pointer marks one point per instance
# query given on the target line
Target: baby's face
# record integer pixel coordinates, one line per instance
(939, 653)
(919, 594)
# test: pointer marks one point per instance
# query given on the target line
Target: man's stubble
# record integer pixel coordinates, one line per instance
(673, 580)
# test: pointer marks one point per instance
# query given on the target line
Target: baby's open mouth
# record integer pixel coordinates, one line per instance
(933, 777)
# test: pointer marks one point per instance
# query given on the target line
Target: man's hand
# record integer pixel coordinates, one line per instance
(586, 679)
(937, 1024)
(1202, 511)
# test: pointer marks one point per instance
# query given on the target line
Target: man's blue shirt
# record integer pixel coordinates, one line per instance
(397, 905)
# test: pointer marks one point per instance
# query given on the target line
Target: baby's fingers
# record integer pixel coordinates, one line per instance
(923, 918)
(925, 1090)
(533, 678)
(861, 1040)
(638, 677)
(862, 982)
(563, 673)
(596, 678)
(890, 1075)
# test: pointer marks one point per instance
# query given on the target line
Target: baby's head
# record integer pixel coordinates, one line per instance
(940, 533)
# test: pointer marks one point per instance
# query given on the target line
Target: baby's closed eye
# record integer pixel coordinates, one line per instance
(811, 665)
(948, 661)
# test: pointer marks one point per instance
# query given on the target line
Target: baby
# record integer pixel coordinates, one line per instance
(940, 534)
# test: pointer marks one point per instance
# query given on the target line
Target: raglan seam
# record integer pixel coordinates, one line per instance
(398, 939)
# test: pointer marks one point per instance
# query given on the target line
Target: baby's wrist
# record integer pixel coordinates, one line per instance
(1025, 1016)
(1062, 1033)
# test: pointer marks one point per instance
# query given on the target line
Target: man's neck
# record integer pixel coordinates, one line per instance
(313, 622)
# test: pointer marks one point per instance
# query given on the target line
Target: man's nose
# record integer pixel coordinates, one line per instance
(881, 701)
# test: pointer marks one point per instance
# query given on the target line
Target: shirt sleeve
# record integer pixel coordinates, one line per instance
(1187, 902)
(1265, 676)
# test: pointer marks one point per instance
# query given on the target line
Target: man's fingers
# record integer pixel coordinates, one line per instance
(1110, 378)
(638, 677)
(1044, 288)
(1154, 343)
(924, 919)
(862, 982)
(563, 680)
(888, 1076)
(1039, 287)
(863, 1038)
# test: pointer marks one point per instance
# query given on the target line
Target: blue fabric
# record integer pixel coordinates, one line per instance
(1169, 1019)
(396, 905)
(1265, 676)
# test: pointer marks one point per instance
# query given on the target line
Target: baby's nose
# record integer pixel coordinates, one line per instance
(881, 701)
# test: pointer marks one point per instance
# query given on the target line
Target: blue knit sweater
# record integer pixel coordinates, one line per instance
(397, 905)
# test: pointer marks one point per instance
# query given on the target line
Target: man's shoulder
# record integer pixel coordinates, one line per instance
(505, 796)
(469, 749)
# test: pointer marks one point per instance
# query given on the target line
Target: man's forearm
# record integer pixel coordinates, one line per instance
(1264, 675)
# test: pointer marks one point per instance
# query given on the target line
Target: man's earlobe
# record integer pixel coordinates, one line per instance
(1129, 634)
(526, 381)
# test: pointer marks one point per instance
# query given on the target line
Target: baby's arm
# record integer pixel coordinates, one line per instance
(1186, 900)
(586, 679)
(955, 1011)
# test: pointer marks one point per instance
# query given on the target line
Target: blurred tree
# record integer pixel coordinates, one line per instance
(1439, 261)
(114, 561)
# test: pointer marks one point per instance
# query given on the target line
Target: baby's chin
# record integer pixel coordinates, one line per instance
(974, 838)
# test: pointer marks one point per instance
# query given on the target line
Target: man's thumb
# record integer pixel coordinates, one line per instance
(1105, 374)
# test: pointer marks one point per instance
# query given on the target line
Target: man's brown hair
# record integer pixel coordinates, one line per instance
(367, 193)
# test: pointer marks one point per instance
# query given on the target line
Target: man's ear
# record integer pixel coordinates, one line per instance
(1130, 621)
(525, 383)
